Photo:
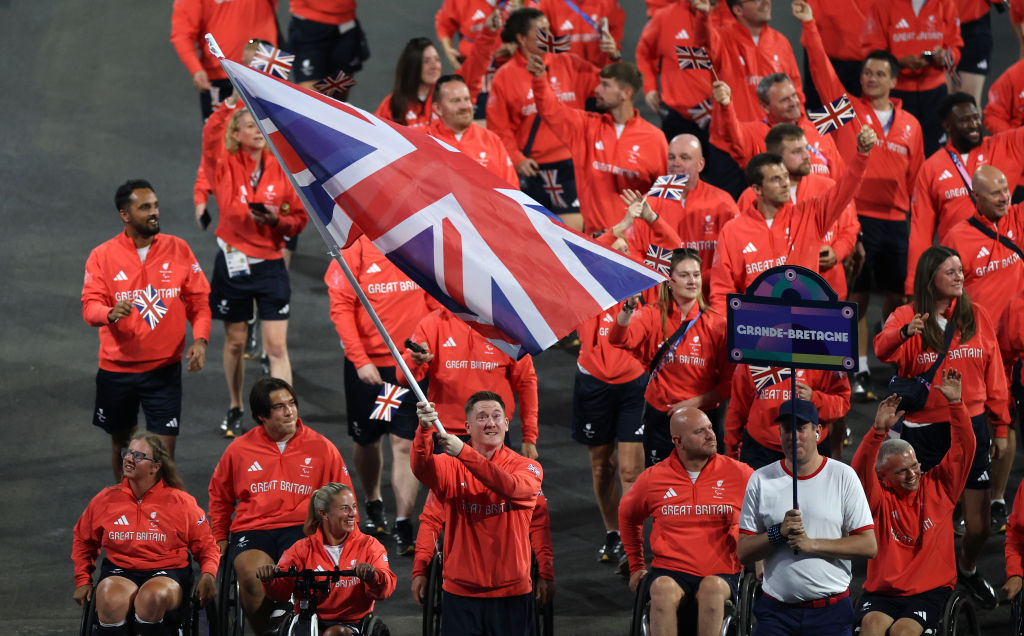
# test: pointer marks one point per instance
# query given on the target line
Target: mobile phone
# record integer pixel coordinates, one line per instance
(258, 208)
(927, 55)
(412, 346)
(205, 219)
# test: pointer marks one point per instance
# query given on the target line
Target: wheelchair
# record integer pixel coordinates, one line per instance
(230, 615)
(959, 617)
(686, 616)
(310, 587)
(545, 614)
(186, 620)
(1017, 615)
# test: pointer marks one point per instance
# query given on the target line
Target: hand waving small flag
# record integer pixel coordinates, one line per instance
(150, 307)
(832, 115)
(551, 43)
(669, 186)
(387, 402)
(694, 57)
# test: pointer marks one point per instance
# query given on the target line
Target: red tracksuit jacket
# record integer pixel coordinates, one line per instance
(232, 23)
(267, 489)
(324, 11)
(153, 533)
(599, 357)
(696, 523)
(913, 529)
(841, 23)
(992, 271)
(170, 281)
(482, 146)
(583, 39)
(893, 26)
(681, 89)
(350, 599)
(1005, 108)
(488, 509)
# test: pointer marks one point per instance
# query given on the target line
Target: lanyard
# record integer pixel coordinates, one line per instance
(818, 154)
(959, 165)
(256, 176)
(672, 347)
(586, 18)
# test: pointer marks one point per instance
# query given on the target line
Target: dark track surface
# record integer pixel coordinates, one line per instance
(95, 95)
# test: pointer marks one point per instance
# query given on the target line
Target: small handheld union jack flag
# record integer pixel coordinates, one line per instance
(553, 188)
(765, 376)
(337, 85)
(551, 43)
(832, 115)
(272, 60)
(387, 402)
(669, 186)
(150, 307)
(694, 57)
(701, 113)
(658, 258)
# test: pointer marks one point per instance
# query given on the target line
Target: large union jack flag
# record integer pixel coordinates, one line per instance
(337, 85)
(832, 115)
(552, 43)
(490, 254)
(766, 376)
(150, 307)
(387, 402)
(694, 57)
(272, 60)
(669, 186)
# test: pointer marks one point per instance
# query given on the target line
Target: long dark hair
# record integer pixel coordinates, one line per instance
(665, 300)
(925, 295)
(407, 77)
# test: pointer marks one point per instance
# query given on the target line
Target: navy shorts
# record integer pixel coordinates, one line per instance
(775, 618)
(657, 439)
(885, 255)
(182, 576)
(501, 616)
(977, 50)
(321, 50)
(554, 187)
(691, 582)
(360, 399)
(267, 283)
(603, 413)
(271, 542)
(118, 396)
(932, 441)
(926, 608)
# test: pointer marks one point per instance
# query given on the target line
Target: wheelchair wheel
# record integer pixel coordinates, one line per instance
(432, 599)
(730, 626)
(230, 617)
(85, 628)
(373, 626)
(749, 591)
(640, 624)
(543, 614)
(1016, 615)
(959, 617)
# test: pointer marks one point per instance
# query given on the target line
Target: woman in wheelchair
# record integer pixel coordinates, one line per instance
(334, 540)
(147, 525)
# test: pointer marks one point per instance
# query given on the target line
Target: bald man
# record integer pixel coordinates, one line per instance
(695, 497)
(989, 243)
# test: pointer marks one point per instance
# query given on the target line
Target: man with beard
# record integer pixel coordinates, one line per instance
(613, 150)
(140, 289)
(454, 125)
(695, 497)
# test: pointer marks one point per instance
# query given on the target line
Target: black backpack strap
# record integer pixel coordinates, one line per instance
(989, 232)
(929, 375)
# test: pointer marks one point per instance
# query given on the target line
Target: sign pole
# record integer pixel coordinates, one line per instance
(792, 396)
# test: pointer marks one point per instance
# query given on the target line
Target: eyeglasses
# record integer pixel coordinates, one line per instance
(136, 455)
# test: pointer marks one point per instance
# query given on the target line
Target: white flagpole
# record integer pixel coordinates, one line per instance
(334, 249)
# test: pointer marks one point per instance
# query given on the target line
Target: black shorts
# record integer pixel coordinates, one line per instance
(360, 399)
(932, 441)
(657, 439)
(691, 582)
(321, 50)
(182, 576)
(118, 396)
(976, 53)
(267, 283)
(554, 187)
(603, 413)
(498, 616)
(885, 255)
(271, 542)
(926, 608)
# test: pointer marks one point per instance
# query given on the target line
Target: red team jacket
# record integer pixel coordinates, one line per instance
(350, 599)
(417, 115)
(896, 158)
(324, 11)
(914, 533)
(940, 195)
(230, 176)
(482, 146)
(841, 23)
(153, 533)
(398, 301)
(232, 23)
(992, 271)
(758, 392)
(271, 488)
(606, 160)
(893, 27)
(170, 281)
(699, 364)
(601, 359)
(583, 39)
(488, 510)
(1005, 108)
(511, 107)
(984, 385)
(696, 523)
(747, 246)
(465, 362)
(680, 89)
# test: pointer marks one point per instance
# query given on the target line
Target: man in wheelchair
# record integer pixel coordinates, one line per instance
(695, 497)
(914, 573)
